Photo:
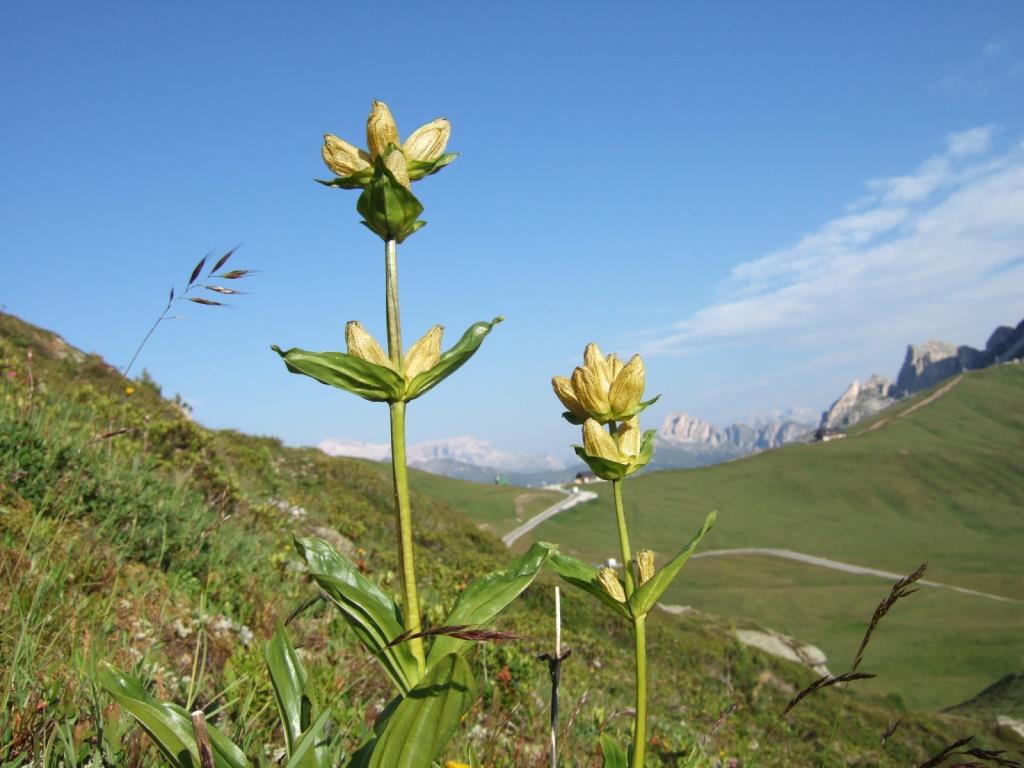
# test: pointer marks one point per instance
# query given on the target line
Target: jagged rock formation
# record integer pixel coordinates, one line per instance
(924, 366)
(860, 400)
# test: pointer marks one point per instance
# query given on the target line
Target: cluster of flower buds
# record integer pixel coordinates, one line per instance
(421, 154)
(602, 389)
(421, 357)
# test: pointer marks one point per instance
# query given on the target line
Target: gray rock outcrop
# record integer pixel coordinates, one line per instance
(860, 400)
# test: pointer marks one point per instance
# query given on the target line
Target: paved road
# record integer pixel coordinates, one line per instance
(571, 501)
(835, 565)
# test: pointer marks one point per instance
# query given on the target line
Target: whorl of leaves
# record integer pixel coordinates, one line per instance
(898, 592)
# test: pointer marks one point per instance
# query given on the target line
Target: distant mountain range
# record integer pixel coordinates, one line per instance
(685, 441)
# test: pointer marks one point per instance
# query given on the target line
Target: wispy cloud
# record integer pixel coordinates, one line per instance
(917, 251)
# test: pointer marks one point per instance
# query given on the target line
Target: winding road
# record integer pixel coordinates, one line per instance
(786, 554)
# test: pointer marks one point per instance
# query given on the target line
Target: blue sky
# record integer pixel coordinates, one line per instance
(767, 200)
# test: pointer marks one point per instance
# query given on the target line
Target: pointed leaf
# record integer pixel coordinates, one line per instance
(614, 755)
(427, 717)
(606, 469)
(418, 169)
(451, 360)
(373, 616)
(288, 679)
(487, 596)
(644, 599)
(353, 374)
(584, 576)
(638, 408)
(306, 754)
(168, 724)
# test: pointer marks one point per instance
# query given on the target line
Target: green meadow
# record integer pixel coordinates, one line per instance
(932, 480)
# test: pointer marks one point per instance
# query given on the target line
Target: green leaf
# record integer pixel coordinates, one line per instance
(644, 599)
(356, 180)
(388, 208)
(169, 726)
(373, 616)
(584, 576)
(637, 408)
(288, 679)
(573, 419)
(487, 596)
(451, 360)
(306, 753)
(420, 168)
(427, 717)
(606, 469)
(348, 372)
(614, 755)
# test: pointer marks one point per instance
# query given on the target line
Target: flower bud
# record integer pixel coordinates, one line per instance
(628, 386)
(362, 345)
(396, 163)
(565, 392)
(627, 438)
(644, 565)
(614, 365)
(424, 354)
(427, 142)
(342, 158)
(609, 581)
(597, 442)
(380, 129)
(595, 362)
(592, 396)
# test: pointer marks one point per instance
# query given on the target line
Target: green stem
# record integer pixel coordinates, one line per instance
(639, 634)
(627, 557)
(640, 720)
(399, 470)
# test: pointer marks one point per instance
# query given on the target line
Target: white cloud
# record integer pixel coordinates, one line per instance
(918, 253)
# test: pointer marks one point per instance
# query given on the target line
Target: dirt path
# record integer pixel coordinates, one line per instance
(571, 501)
(835, 565)
(927, 401)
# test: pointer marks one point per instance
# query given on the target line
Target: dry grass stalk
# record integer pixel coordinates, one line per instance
(824, 682)
(991, 757)
(898, 592)
(461, 631)
(202, 739)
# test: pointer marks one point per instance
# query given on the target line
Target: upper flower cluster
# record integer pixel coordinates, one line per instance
(603, 388)
(421, 154)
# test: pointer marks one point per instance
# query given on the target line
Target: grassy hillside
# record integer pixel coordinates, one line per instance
(130, 534)
(934, 479)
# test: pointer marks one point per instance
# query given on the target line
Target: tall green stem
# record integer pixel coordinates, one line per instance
(627, 556)
(399, 470)
(640, 721)
(639, 635)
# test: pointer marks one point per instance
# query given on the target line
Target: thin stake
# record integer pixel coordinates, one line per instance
(202, 739)
(555, 670)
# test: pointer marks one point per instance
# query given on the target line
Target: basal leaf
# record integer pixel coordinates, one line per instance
(168, 724)
(486, 597)
(373, 616)
(305, 753)
(451, 360)
(644, 599)
(584, 576)
(288, 679)
(614, 755)
(353, 374)
(425, 720)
